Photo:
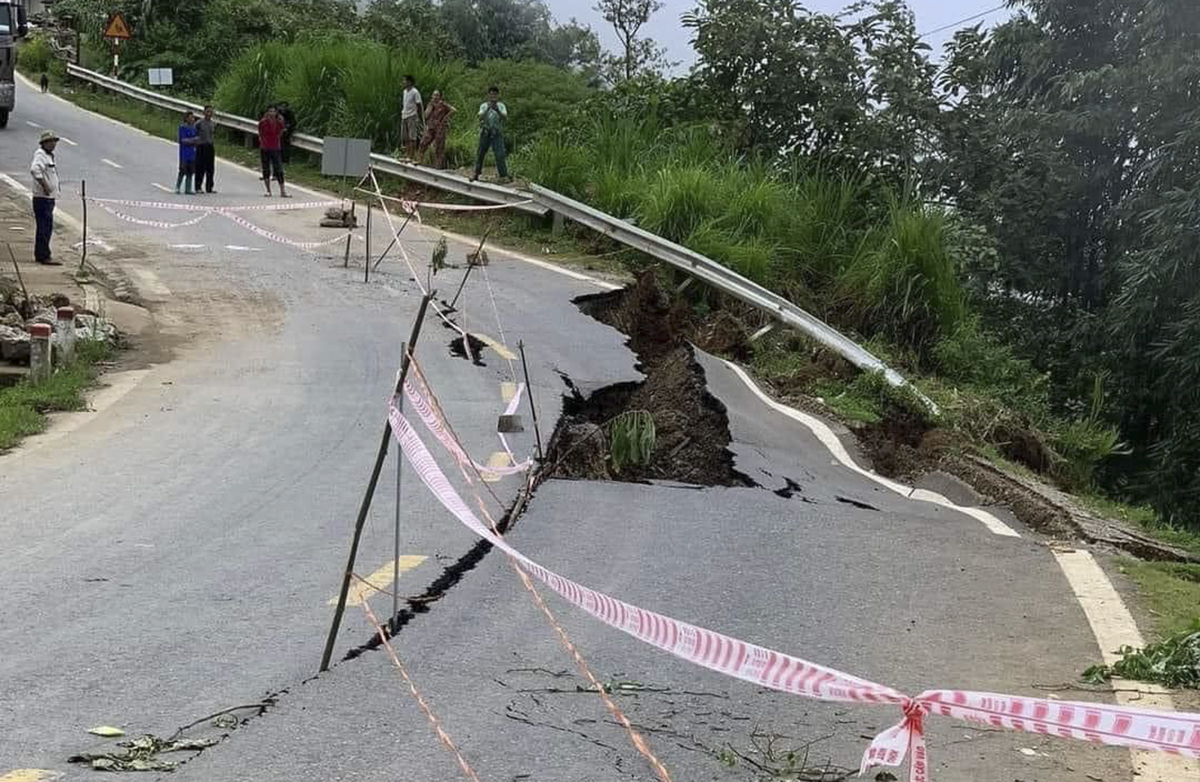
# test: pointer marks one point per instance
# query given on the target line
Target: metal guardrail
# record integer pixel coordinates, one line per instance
(480, 191)
(724, 279)
(542, 201)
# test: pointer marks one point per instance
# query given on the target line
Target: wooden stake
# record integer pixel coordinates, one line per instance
(537, 433)
(83, 197)
(365, 506)
(25, 313)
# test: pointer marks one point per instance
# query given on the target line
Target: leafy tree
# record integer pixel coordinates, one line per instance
(416, 24)
(627, 18)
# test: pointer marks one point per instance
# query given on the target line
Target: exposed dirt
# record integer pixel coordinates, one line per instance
(692, 429)
(459, 350)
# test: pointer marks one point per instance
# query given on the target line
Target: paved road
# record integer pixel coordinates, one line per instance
(176, 556)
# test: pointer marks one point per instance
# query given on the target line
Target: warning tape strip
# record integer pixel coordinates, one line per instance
(413, 270)
(152, 223)
(413, 206)
(419, 396)
(263, 232)
(285, 207)
(1175, 733)
(467, 468)
(418, 697)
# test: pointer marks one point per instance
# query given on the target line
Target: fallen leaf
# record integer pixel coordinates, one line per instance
(106, 731)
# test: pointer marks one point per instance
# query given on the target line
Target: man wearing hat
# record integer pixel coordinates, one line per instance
(45, 191)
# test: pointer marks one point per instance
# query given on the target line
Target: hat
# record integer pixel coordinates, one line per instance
(47, 135)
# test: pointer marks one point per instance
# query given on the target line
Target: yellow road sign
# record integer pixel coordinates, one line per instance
(117, 28)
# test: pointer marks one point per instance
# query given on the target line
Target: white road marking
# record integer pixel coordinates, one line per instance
(186, 246)
(163, 188)
(16, 228)
(67, 141)
(60, 215)
(1113, 626)
(32, 124)
(835, 446)
(112, 163)
(148, 282)
(241, 249)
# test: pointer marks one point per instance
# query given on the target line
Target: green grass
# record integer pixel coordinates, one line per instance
(1170, 591)
(23, 407)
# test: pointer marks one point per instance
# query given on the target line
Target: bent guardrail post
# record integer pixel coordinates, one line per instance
(724, 279)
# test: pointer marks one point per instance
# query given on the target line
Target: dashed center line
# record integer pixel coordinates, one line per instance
(112, 163)
(67, 141)
(32, 124)
(163, 188)
(30, 775)
(186, 246)
(380, 580)
(496, 461)
(500, 349)
(241, 249)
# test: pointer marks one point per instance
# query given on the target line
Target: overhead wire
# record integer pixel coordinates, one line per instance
(971, 18)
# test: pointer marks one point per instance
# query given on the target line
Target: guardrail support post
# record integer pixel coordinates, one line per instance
(39, 353)
(558, 223)
(764, 331)
(64, 327)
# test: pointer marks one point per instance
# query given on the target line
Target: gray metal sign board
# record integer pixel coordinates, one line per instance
(345, 156)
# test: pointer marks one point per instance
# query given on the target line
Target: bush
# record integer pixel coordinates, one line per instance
(678, 200)
(555, 161)
(35, 55)
(903, 284)
(249, 84)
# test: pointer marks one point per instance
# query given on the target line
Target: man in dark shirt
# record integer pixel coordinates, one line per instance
(289, 129)
(270, 148)
(206, 152)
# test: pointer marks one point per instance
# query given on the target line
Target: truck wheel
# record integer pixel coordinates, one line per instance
(3, 118)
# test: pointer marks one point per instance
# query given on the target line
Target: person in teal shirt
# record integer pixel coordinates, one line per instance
(492, 116)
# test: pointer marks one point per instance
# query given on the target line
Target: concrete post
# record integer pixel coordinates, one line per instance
(65, 328)
(39, 352)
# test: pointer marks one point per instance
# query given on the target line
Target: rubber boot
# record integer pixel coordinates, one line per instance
(187, 179)
(179, 184)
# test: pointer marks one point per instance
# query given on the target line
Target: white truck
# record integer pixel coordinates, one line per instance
(13, 25)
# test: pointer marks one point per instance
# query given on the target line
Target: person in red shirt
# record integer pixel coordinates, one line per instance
(270, 149)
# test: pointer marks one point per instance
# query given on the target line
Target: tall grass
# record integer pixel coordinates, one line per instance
(903, 283)
(249, 86)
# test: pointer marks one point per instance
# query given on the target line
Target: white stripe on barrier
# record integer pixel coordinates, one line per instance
(413, 206)
(1176, 733)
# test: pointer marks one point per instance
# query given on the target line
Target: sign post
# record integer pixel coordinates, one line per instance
(117, 30)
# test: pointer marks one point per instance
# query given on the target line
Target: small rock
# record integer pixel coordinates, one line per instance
(14, 344)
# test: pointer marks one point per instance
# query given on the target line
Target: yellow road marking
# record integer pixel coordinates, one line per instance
(30, 775)
(380, 579)
(501, 351)
(508, 391)
(498, 459)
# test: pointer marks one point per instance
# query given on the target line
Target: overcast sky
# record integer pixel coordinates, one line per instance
(665, 27)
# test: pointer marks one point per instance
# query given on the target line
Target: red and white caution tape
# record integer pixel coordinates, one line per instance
(1175, 733)
(173, 205)
(263, 232)
(413, 206)
(153, 223)
(428, 411)
(413, 270)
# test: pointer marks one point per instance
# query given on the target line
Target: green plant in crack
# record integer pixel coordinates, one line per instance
(631, 437)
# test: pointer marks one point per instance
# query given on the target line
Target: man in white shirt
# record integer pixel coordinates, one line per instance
(411, 112)
(45, 192)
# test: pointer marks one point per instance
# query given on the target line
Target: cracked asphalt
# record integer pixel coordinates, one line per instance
(176, 556)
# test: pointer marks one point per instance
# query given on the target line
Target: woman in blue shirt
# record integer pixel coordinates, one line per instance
(187, 154)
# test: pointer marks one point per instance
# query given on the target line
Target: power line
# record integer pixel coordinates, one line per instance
(961, 21)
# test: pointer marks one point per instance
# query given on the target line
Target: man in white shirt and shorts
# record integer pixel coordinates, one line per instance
(411, 114)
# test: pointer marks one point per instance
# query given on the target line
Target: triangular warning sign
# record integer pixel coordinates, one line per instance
(117, 27)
